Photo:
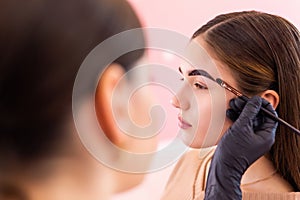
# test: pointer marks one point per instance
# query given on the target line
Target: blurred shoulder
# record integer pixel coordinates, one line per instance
(189, 174)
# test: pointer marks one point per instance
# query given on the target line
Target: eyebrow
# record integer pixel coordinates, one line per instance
(199, 72)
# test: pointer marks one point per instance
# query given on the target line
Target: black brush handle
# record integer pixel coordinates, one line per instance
(224, 85)
(274, 117)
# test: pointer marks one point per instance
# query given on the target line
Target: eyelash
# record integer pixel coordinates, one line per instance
(197, 85)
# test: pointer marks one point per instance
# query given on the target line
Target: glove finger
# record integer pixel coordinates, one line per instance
(232, 115)
(268, 106)
(260, 118)
(237, 104)
(250, 110)
(269, 125)
(265, 103)
(258, 121)
(264, 118)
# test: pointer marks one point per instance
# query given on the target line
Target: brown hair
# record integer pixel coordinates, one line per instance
(263, 52)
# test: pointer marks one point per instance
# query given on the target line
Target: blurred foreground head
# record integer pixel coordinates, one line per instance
(43, 44)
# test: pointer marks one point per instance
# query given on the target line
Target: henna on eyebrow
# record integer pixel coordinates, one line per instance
(179, 68)
(200, 72)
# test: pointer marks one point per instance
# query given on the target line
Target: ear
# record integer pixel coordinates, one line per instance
(272, 97)
(103, 102)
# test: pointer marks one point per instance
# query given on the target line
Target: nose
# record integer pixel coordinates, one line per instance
(175, 102)
(180, 101)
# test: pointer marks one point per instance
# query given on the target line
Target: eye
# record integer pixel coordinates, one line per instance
(200, 86)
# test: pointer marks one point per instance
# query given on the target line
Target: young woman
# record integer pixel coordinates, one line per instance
(258, 54)
(43, 44)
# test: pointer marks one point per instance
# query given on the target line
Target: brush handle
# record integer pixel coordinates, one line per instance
(274, 117)
(226, 86)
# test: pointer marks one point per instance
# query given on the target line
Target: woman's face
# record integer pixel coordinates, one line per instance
(202, 103)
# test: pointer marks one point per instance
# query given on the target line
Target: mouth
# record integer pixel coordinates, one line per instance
(183, 124)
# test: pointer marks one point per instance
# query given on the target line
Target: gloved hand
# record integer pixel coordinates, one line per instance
(250, 137)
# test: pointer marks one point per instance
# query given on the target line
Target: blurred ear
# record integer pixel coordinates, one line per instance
(272, 97)
(103, 102)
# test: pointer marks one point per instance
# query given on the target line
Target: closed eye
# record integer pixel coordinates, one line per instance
(200, 86)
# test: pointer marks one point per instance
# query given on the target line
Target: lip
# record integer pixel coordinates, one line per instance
(183, 124)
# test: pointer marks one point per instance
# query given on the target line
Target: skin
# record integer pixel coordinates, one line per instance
(202, 90)
(194, 129)
(195, 113)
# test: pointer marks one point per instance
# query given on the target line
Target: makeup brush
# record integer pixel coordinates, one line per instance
(245, 98)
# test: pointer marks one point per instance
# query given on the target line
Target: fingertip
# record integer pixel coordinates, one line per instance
(256, 100)
(231, 102)
(237, 103)
(266, 104)
(232, 115)
(252, 107)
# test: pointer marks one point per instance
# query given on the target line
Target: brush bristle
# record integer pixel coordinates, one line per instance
(219, 81)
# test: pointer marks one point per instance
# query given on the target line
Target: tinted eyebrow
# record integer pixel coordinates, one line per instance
(179, 68)
(200, 72)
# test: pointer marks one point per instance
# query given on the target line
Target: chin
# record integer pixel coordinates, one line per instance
(189, 141)
(194, 143)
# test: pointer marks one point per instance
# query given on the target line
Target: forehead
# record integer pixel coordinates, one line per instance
(204, 58)
(198, 58)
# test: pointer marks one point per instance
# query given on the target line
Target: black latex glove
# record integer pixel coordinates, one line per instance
(250, 137)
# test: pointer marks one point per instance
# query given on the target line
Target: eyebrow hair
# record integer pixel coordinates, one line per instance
(179, 68)
(200, 72)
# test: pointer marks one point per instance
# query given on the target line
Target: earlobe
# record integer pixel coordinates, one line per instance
(272, 97)
(103, 102)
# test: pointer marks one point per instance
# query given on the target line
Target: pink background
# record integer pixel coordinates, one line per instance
(186, 17)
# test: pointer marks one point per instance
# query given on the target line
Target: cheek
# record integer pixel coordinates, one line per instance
(211, 120)
(204, 114)
(227, 122)
(201, 120)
